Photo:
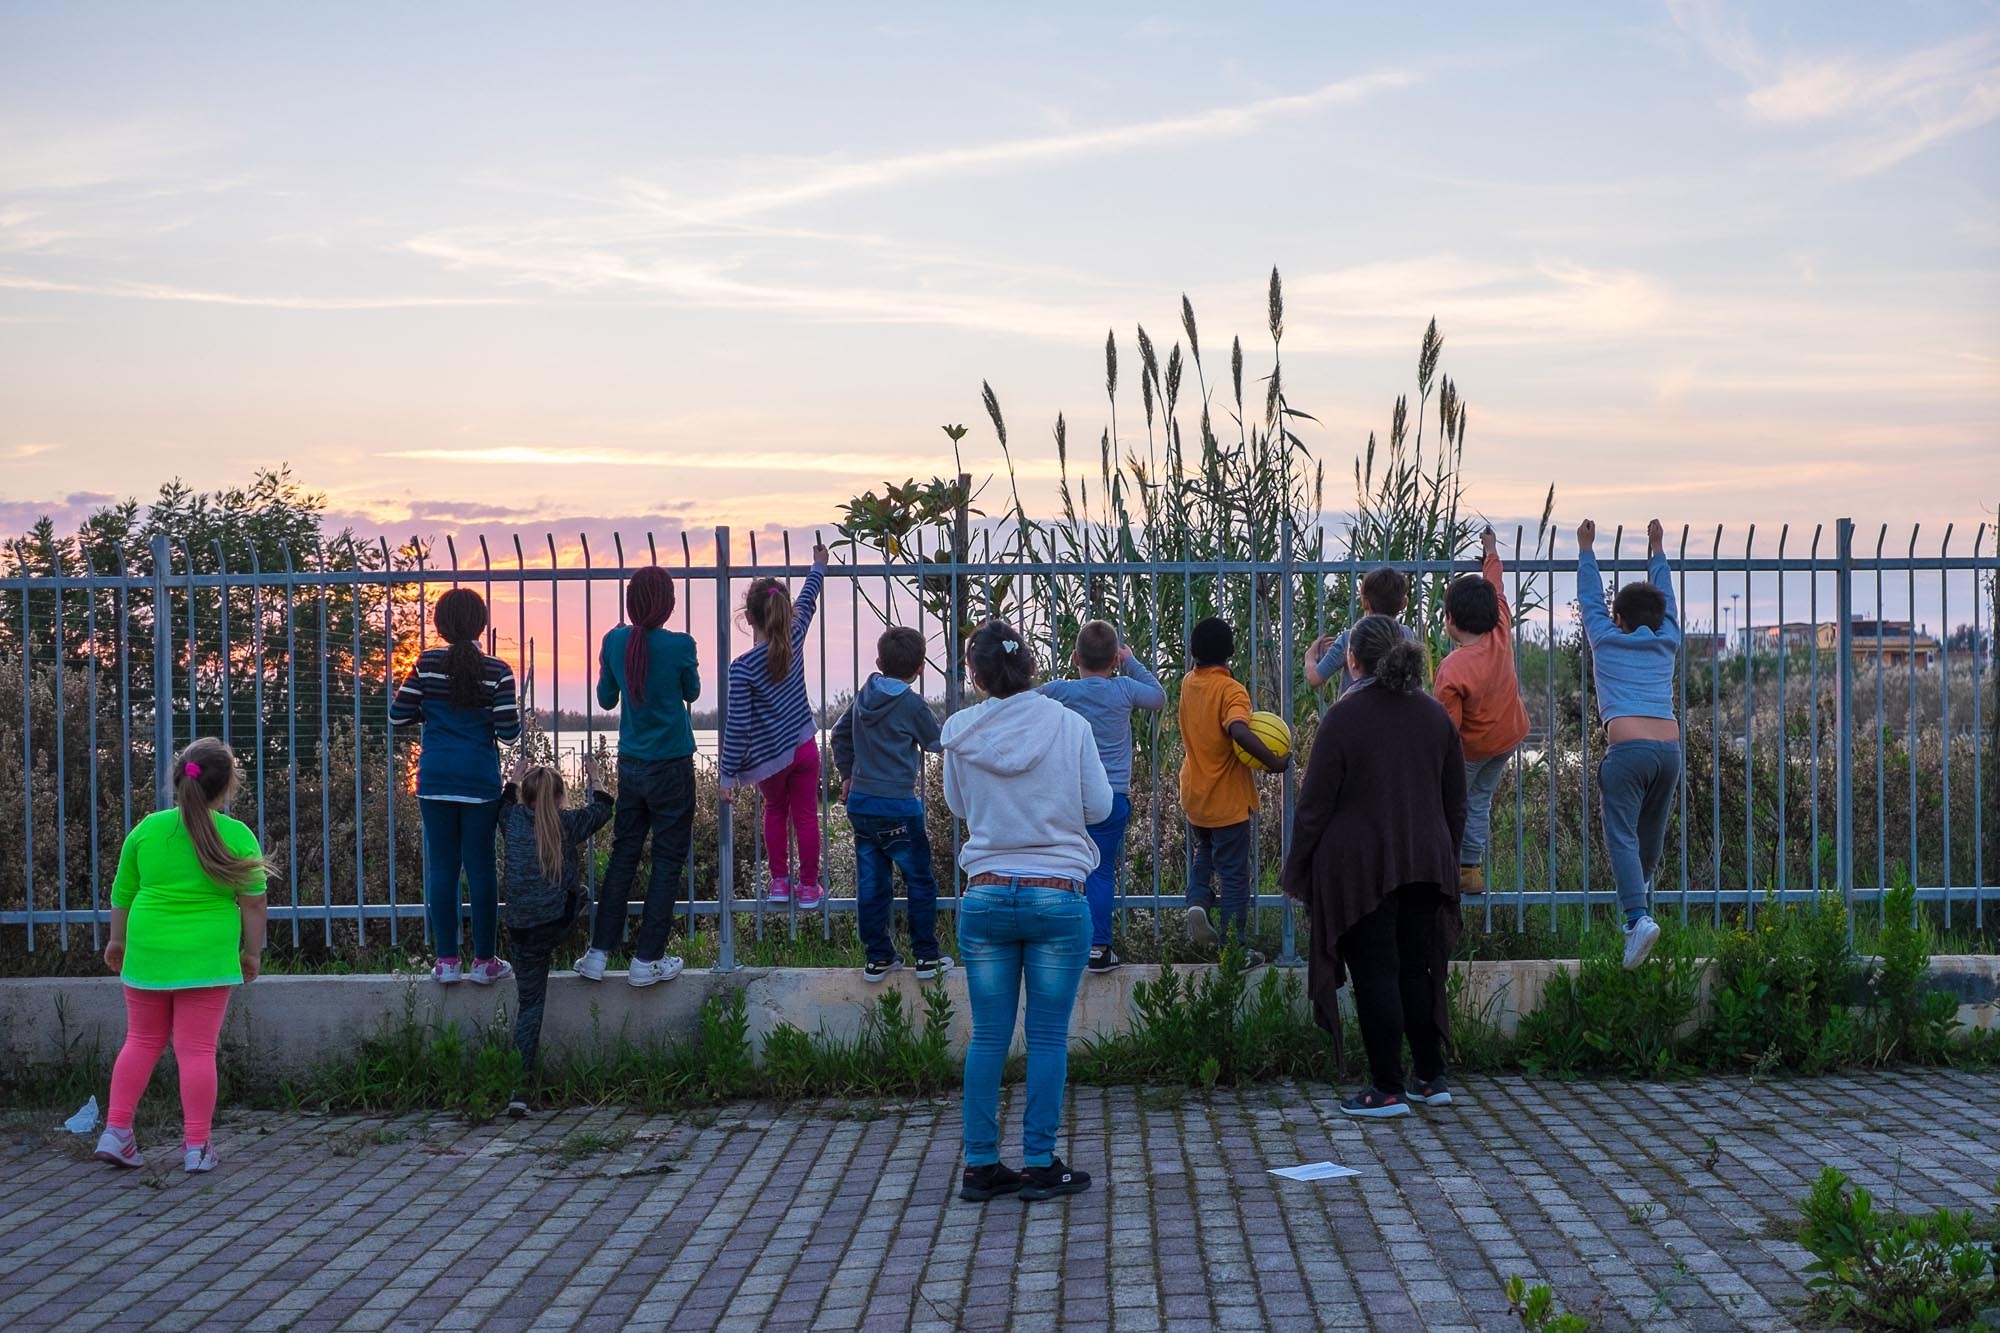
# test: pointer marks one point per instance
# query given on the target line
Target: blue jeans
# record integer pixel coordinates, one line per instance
(1222, 855)
(655, 796)
(884, 844)
(1481, 777)
(458, 837)
(1006, 935)
(1109, 835)
(1636, 783)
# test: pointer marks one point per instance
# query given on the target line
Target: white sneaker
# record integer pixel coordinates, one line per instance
(447, 972)
(591, 966)
(198, 1159)
(647, 974)
(1200, 929)
(119, 1147)
(1640, 937)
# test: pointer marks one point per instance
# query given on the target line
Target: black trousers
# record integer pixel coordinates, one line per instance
(1388, 956)
(532, 953)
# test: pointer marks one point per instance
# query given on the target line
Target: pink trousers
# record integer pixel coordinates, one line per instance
(791, 805)
(192, 1021)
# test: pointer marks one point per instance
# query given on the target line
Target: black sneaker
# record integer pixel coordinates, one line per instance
(1102, 959)
(876, 971)
(1430, 1092)
(981, 1183)
(1253, 959)
(928, 968)
(1372, 1105)
(517, 1108)
(1052, 1181)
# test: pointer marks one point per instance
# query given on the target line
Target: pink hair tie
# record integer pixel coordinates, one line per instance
(192, 770)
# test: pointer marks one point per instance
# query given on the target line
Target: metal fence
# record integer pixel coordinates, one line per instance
(1833, 739)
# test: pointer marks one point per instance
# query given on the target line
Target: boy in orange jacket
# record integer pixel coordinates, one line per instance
(1477, 686)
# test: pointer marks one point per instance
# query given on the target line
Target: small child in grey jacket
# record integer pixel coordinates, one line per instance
(542, 878)
(879, 745)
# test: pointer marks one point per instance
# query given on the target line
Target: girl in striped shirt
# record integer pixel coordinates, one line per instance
(768, 734)
(464, 701)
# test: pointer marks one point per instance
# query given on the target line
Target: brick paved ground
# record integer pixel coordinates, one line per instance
(1646, 1206)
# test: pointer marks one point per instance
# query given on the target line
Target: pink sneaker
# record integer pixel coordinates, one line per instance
(811, 896)
(119, 1147)
(486, 971)
(447, 972)
(781, 890)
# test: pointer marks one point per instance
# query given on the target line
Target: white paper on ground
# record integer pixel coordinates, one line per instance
(1314, 1171)
(85, 1119)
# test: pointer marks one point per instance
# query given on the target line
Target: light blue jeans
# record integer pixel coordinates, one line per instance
(1007, 935)
(1636, 782)
(1481, 777)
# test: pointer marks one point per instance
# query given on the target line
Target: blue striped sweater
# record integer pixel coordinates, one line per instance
(768, 720)
(461, 756)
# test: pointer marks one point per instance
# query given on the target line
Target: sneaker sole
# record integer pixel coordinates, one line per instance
(1376, 1113)
(1095, 970)
(116, 1160)
(970, 1195)
(1038, 1192)
(876, 978)
(932, 973)
(1441, 1099)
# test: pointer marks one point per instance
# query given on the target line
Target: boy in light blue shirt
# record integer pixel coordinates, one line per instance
(1635, 646)
(1110, 684)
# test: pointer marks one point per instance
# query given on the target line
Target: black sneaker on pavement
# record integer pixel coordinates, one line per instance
(876, 971)
(1429, 1091)
(981, 1183)
(1052, 1181)
(1373, 1105)
(1102, 959)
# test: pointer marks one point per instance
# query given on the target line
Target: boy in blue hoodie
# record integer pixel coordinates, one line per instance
(879, 745)
(1635, 646)
(1110, 683)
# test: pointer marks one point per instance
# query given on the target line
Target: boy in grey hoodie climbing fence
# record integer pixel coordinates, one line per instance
(879, 745)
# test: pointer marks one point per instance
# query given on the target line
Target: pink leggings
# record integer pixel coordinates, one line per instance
(791, 803)
(191, 1020)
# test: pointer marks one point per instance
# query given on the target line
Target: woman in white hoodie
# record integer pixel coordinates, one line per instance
(1022, 771)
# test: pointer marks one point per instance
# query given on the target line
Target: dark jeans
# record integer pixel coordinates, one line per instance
(1636, 783)
(533, 951)
(1102, 885)
(884, 844)
(1222, 855)
(655, 796)
(1388, 955)
(458, 837)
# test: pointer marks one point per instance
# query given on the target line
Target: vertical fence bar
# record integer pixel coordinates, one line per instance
(1910, 752)
(222, 606)
(291, 734)
(354, 680)
(1552, 751)
(1520, 762)
(1812, 716)
(725, 832)
(389, 732)
(28, 746)
(59, 638)
(1716, 643)
(721, 675)
(90, 668)
(124, 605)
(1881, 726)
(163, 675)
(194, 697)
(257, 681)
(1982, 656)
(1944, 707)
(1681, 681)
(325, 745)
(1843, 597)
(1784, 732)
(1749, 734)
(1288, 955)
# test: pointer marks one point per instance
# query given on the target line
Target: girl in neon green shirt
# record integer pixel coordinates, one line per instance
(187, 923)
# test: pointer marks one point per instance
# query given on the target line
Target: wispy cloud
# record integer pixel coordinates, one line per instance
(1893, 106)
(32, 449)
(153, 291)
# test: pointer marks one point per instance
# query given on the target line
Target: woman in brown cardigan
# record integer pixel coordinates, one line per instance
(1375, 860)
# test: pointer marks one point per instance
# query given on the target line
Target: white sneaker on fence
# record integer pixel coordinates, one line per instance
(1640, 937)
(591, 966)
(648, 974)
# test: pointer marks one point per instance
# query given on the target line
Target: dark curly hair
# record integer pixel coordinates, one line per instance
(1002, 671)
(1383, 651)
(1472, 603)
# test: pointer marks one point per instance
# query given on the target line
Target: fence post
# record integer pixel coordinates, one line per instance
(163, 676)
(725, 829)
(961, 546)
(1288, 955)
(1844, 697)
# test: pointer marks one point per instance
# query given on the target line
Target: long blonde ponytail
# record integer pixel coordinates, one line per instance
(542, 788)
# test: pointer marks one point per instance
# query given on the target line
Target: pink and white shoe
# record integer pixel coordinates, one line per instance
(118, 1147)
(811, 896)
(486, 971)
(194, 1160)
(780, 891)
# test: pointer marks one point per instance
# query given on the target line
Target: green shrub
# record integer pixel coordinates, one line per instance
(1891, 1271)
(1781, 990)
(1602, 1019)
(1213, 1028)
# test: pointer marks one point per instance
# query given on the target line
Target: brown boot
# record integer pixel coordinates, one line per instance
(1471, 879)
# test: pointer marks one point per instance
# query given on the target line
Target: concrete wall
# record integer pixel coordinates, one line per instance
(285, 1025)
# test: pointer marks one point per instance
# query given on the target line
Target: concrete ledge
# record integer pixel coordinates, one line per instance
(284, 1026)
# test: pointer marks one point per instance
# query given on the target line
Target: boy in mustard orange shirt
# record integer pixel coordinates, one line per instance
(1218, 792)
(1477, 686)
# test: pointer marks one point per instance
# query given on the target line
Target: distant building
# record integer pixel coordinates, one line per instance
(1704, 647)
(1891, 642)
(1796, 636)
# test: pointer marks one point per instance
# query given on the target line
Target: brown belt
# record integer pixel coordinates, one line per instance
(1025, 881)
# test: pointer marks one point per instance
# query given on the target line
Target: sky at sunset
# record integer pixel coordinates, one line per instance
(598, 267)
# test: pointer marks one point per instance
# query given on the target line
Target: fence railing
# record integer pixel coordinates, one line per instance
(1834, 739)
